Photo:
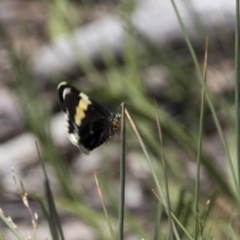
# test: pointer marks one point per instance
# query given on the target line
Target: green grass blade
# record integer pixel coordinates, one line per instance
(177, 221)
(104, 209)
(53, 218)
(122, 176)
(11, 226)
(237, 85)
(199, 153)
(90, 216)
(146, 155)
(165, 175)
(163, 200)
(158, 221)
(208, 97)
(131, 222)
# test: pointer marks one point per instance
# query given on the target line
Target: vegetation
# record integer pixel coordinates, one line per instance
(187, 194)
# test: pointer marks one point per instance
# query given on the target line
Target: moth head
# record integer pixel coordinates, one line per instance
(114, 122)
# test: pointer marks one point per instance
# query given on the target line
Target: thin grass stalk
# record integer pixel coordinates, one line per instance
(52, 225)
(122, 175)
(180, 133)
(208, 97)
(180, 203)
(158, 221)
(187, 214)
(163, 201)
(182, 227)
(129, 219)
(53, 210)
(176, 220)
(90, 216)
(49, 215)
(104, 208)
(165, 175)
(146, 155)
(44, 210)
(199, 153)
(55, 224)
(54, 217)
(41, 202)
(237, 85)
(206, 212)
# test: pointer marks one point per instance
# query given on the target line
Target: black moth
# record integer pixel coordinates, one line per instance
(89, 124)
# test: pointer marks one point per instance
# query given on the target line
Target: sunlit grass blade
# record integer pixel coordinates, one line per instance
(104, 208)
(145, 153)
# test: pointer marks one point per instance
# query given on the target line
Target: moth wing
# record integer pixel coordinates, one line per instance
(95, 128)
(88, 122)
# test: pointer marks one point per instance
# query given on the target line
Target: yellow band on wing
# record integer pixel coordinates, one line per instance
(81, 108)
